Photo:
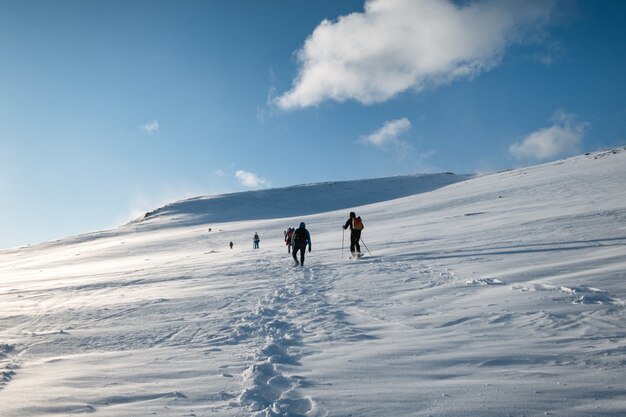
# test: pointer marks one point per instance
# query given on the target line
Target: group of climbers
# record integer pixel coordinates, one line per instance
(299, 238)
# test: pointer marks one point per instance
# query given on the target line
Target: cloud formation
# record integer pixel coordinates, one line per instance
(389, 135)
(151, 127)
(564, 137)
(400, 45)
(250, 180)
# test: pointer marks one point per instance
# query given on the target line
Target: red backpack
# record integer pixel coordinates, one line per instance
(357, 223)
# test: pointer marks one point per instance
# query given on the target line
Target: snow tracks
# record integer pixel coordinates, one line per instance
(7, 366)
(284, 326)
(271, 385)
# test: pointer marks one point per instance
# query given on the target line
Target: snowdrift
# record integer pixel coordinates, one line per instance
(500, 295)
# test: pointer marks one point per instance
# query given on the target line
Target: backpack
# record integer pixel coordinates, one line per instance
(357, 224)
(300, 237)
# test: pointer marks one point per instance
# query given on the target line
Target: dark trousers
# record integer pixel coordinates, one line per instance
(355, 236)
(300, 248)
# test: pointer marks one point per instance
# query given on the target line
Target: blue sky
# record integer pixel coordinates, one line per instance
(112, 108)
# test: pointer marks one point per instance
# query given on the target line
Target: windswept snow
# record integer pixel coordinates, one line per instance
(298, 200)
(500, 295)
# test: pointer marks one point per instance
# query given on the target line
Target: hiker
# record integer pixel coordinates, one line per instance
(231, 245)
(301, 238)
(356, 225)
(255, 241)
(288, 238)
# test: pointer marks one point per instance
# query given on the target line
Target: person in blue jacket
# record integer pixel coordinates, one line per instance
(301, 238)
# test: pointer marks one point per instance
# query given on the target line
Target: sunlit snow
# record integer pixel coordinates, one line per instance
(496, 295)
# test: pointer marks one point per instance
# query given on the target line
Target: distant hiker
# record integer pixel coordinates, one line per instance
(288, 238)
(255, 241)
(231, 245)
(301, 238)
(356, 225)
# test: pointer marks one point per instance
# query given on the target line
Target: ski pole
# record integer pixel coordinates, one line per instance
(368, 251)
(343, 233)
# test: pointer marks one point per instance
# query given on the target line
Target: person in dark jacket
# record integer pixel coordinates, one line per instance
(301, 238)
(355, 235)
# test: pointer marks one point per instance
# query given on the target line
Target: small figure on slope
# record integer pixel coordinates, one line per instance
(356, 226)
(301, 238)
(255, 241)
(231, 245)
(288, 238)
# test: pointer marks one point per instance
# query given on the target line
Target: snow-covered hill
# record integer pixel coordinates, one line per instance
(295, 201)
(493, 296)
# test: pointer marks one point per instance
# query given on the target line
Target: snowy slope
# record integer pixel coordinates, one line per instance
(498, 295)
(292, 201)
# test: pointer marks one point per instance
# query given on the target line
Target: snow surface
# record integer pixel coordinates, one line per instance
(500, 295)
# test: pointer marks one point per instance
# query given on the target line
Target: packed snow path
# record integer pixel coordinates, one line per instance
(501, 295)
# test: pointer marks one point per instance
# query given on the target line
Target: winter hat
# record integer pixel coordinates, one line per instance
(302, 225)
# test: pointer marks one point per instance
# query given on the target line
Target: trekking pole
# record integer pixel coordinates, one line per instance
(368, 251)
(343, 233)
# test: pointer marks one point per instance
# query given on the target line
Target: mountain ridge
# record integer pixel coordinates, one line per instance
(297, 200)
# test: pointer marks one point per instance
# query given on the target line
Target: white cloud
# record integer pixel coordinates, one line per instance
(151, 127)
(562, 138)
(399, 45)
(389, 135)
(248, 179)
